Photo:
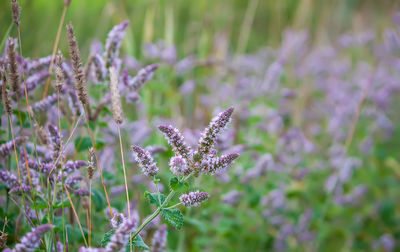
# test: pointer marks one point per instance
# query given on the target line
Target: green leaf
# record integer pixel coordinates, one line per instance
(60, 204)
(176, 185)
(173, 217)
(98, 200)
(154, 198)
(107, 237)
(82, 143)
(138, 242)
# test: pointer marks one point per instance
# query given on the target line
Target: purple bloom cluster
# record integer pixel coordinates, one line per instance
(121, 236)
(179, 166)
(114, 41)
(8, 147)
(31, 240)
(159, 239)
(193, 198)
(146, 162)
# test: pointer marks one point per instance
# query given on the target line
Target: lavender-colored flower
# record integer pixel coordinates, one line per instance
(71, 181)
(185, 65)
(100, 67)
(71, 166)
(8, 147)
(146, 162)
(117, 190)
(55, 138)
(32, 239)
(45, 104)
(81, 192)
(179, 166)
(34, 81)
(113, 43)
(8, 179)
(211, 164)
(17, 189)
(121, 236)
(117, 220)
(210, 134)
(193, 198)
(143, 76)
(159, 239)
(155, 149)
(232, 198)
(177, 141)
(33, 66)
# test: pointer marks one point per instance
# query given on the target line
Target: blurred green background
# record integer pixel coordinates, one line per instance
(194, 24)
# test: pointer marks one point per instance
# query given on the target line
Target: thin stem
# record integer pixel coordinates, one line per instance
(97, 161)
(76, 215)
(55, 49)
(151, 217)
(126, 182)
(62, 170)
(90, 210)
(177, 204)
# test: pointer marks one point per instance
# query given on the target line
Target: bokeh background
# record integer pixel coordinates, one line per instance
(299, 185)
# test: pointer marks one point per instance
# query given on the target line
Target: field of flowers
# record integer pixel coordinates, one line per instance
(178, 125)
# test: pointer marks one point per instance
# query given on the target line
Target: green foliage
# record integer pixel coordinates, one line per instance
(173, 217)
(155, 198)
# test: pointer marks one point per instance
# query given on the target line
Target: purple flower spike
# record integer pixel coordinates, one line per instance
(45, 104)
(121, 236)
(146, 162)
(81, 192)
(32, 239)
(143, 76)
(211, 164)
(193, 198)
(176, 140)
(159, 239)
(36, 80)
(210, 134)
(7, 148)
(8, 179)
(114, 41)
(179, 166)
(55, 138)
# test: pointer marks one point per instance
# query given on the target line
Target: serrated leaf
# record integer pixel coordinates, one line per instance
(107, 237)
(138, 242)
(155, 198)
(176, 185)
(173, 217)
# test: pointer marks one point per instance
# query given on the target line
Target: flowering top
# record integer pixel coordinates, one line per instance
(121, 236)
(146, 162)
(212, 164)
(32, 239)
(159, 239)
(179, 166)
(113, 42)
(176, 140)
(193, 198)
(210, 134)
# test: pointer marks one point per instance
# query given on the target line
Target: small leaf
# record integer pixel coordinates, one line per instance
(107, 237)
(174, 183)
(138, 242)
(98, 200)
(173, 217)
(154, 198)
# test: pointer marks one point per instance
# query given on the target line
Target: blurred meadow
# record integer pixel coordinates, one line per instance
(315, 89)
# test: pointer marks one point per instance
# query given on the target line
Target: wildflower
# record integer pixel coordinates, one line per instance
(32, 239)
(4, 92)
(143, 76)
(8, 147)
(179, 166)
(17, 189)
(211, 133)
(176, 140)
(8, 179)
(100, 67)
(77, 66)
(159, 239)
(115, 98)
(81, 192)
(45, 104)
(113, 42)
(146, 162)
(34, 81)
(71, 166)
(118, 219)
(13, 67)
(232, 198)
(193, 198)
(212, 164)
(34, 66)
(71, 181)
(121, 236)
(55, 138)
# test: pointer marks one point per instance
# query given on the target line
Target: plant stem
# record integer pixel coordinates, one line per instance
(154, 215)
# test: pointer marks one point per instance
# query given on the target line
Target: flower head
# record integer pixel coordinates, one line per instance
(176, 140)
(159, 239)
(193, 198)
(114, 41)
(179, 166)
(146, 162)
(121, 236)
(32, 239)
